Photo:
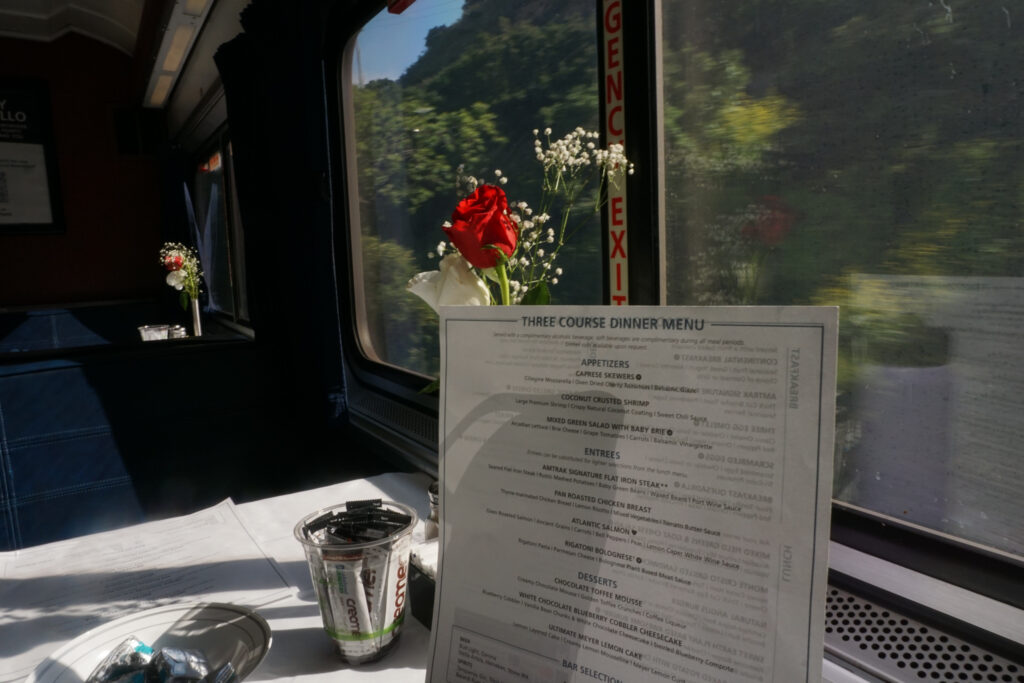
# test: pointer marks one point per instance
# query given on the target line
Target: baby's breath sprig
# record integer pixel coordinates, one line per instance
(572, 166)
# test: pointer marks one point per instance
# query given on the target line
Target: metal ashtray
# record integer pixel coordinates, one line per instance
(154, 332)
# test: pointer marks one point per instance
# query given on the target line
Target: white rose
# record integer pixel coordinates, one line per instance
(176, 279)
(454, 285)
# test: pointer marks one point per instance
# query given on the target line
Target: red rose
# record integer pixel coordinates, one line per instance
(481, 221)
(173, 262)
(772, 223)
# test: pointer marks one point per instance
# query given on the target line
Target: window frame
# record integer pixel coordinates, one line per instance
(220, 142)
(384, 400)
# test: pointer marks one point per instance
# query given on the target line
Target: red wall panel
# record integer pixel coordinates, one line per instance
(110, 199)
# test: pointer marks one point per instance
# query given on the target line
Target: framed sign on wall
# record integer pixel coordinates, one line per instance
(29, 190)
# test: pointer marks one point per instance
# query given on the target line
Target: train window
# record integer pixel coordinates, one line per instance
(442, 87)
(869, 156)
(218, 232)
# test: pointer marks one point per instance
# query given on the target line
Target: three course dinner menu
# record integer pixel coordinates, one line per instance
(634, 493)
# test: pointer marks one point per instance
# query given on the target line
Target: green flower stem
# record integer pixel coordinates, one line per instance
(499, 270)
(754, 281)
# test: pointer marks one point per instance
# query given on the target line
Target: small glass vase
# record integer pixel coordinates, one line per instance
(197, 324)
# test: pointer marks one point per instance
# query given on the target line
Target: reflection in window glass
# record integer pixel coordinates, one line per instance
(218, 236)
(210, 217)
(869, 155)
(470, 87)
(237, 244)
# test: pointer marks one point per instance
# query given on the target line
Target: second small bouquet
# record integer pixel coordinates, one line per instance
(184, 274)
(182, 264)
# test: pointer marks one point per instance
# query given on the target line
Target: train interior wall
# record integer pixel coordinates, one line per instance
(98, 429)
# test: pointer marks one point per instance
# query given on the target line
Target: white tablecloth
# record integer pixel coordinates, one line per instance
(52, 594)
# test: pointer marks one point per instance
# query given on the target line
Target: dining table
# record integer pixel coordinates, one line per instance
(55, 597)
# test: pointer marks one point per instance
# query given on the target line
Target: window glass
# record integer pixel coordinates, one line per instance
(869, 155)
(444, 86)
(218, 234)
(212, 225)
(238, 276)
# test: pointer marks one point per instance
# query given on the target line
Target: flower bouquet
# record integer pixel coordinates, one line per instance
(182, 264)
(505, 253)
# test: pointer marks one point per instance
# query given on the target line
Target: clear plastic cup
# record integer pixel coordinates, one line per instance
(362, 588)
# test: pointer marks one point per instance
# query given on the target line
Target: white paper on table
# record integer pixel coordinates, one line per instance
(635, 493)
(52, 593)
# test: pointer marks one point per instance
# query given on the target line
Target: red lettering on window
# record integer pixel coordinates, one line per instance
(612, 18)
(618, 247)
(616, 211)
(618, 277)
(613, 51)
(613, 87)
(619, 300)
(612, 128)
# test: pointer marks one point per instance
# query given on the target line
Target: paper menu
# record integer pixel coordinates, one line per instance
(634, 493)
